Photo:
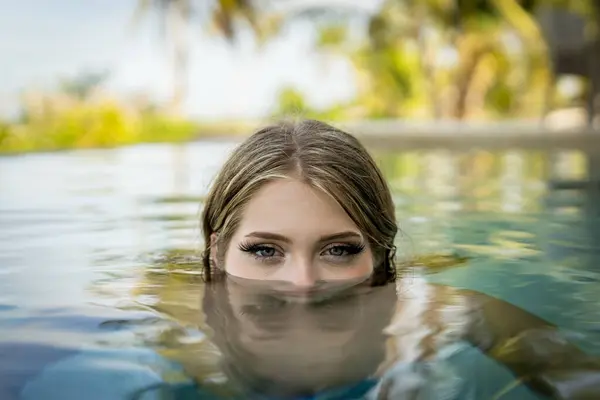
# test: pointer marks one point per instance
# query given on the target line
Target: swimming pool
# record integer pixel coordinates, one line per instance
(97, 254)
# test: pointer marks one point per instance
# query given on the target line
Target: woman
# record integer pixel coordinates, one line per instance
(301, 214)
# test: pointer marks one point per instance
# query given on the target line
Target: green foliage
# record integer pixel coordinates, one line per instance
(291, 103)
(58, 122)
(83, 85)
(332, 36)
(392, 82)
(398, 68)
(160, 128)
(4, 132)
(500, 98)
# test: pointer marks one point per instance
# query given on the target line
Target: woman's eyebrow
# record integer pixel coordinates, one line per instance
(270, 236)
(326, 238)
(340, 235)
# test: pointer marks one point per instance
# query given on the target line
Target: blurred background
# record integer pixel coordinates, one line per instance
(92, 74)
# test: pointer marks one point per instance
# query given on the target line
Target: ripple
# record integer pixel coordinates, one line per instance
(583, 276)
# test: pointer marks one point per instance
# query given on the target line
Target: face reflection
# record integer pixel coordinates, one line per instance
(298, 240)
(274, 329)
(300, 347)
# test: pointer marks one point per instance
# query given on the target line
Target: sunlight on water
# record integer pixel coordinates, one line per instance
(99, 251)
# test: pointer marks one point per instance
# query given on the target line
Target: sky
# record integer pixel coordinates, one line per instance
(43, 41)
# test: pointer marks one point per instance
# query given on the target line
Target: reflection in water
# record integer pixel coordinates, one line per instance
(279, 348)
(260, 346)
(260, 343)
(511, 182)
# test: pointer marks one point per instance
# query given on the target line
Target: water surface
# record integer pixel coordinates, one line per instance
(98, 248)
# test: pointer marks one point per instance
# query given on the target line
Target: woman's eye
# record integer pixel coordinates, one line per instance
(337, 251)
(262, 252)
(265, 252)
(344, 250)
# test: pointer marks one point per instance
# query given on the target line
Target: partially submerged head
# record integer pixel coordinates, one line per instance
(300, 204)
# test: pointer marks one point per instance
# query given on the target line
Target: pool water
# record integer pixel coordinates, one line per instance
(100, 293)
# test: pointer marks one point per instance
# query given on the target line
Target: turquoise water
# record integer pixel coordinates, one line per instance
(98, 275)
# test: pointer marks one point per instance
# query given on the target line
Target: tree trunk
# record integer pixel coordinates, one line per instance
(593, 60)
(532, 36)
(466, 71)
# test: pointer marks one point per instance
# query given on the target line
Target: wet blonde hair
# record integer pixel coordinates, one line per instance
(319, 155)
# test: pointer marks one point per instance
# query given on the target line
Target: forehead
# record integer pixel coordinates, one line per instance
(289, 206)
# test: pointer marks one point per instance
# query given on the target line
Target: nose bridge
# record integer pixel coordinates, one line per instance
(302, 272)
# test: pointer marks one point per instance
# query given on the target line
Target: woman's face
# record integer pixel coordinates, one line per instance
(299, 241)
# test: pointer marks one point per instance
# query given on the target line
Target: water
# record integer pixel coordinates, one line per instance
(98, 256)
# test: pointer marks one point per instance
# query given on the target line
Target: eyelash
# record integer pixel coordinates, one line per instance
(252, 249)
(350, 250)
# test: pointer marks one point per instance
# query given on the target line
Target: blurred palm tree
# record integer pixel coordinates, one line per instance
(445, 59)
(460, 58)
(176, 17)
